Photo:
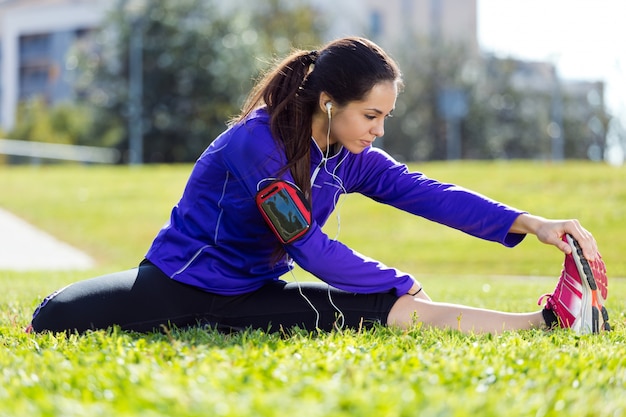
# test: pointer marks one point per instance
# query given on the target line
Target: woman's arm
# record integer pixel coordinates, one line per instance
(551, 231)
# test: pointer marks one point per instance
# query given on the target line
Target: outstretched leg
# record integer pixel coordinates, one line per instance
(408, 311)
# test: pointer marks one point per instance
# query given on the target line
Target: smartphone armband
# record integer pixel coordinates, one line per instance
(285, 210)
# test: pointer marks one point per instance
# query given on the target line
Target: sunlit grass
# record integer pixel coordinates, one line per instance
(383, 372)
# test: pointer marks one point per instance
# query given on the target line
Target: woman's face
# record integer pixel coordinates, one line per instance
(359, 123)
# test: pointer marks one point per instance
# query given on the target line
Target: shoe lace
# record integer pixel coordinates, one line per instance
(543, 297)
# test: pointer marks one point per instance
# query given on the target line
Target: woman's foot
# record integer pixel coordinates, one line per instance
(578, 299)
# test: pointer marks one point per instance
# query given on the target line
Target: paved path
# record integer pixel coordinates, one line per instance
(26, 248)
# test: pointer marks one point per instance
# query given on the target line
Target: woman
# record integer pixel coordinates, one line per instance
(258, 196)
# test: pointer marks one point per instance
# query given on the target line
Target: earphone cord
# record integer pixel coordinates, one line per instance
(317, 313)
(327, 138)
(332, 174)
(340, 320)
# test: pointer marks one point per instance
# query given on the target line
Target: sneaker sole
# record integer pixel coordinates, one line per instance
(591, 290)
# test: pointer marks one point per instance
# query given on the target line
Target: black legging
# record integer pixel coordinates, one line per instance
(144, 299)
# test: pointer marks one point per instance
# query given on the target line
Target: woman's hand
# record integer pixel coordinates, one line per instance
(551, 232)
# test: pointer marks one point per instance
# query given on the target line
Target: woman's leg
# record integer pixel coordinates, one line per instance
(144, 299)
(308, 305)
(141, 299)
(408, 311)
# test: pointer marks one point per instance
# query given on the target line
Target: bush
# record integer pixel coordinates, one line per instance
(64, 123)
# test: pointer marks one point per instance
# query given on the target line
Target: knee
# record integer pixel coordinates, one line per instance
(408, 311)
(52, 314)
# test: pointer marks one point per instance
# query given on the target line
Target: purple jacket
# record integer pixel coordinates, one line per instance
(217, 240)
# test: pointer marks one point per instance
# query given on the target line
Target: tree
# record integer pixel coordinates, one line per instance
(418, 128)
(64, 123)
(199, 59)
(514, 108)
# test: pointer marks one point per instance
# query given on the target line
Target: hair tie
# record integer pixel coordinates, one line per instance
(312, 56)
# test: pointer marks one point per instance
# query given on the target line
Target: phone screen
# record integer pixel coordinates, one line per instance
(284, 215)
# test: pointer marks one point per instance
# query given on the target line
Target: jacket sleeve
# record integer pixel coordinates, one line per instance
(375, 174)
(387, 181)
(344, 268)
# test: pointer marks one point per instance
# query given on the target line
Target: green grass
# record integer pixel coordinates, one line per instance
(113, 213)
(377, 373)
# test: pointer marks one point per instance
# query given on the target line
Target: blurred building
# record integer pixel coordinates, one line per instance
(36, 36)
(389, 22)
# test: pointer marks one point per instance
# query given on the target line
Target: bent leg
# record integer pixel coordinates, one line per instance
(408, 311)
(141, 299)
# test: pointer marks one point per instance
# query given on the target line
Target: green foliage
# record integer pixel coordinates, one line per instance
(505, 120)
(199, 59)
(65, 123)
(113, 212)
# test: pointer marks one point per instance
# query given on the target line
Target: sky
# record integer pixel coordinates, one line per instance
(585, 39)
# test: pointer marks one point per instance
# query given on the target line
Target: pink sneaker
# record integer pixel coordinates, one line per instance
(579, 296)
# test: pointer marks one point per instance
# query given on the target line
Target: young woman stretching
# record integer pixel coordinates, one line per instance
(256, 201)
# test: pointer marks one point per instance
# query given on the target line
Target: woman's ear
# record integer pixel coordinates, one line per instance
(324, 99)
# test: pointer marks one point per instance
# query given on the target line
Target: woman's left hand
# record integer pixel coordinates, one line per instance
(551, 232)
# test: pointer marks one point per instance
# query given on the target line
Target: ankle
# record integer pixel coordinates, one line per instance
(550, 318)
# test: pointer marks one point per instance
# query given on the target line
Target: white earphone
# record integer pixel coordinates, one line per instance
(329, 106)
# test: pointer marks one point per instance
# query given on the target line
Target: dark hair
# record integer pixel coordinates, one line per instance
(346, 69)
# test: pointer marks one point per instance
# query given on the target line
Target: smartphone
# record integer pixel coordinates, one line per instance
(285, 210)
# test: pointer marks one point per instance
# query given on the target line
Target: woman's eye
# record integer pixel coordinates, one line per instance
(368, 117)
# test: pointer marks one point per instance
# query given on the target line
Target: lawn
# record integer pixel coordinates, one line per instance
(113, 213)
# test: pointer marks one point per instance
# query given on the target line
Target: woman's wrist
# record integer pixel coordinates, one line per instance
(526, 223)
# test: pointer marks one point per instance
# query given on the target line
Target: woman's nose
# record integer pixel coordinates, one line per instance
(379, 129)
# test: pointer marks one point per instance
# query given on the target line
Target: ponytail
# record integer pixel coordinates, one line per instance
(290, 116)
